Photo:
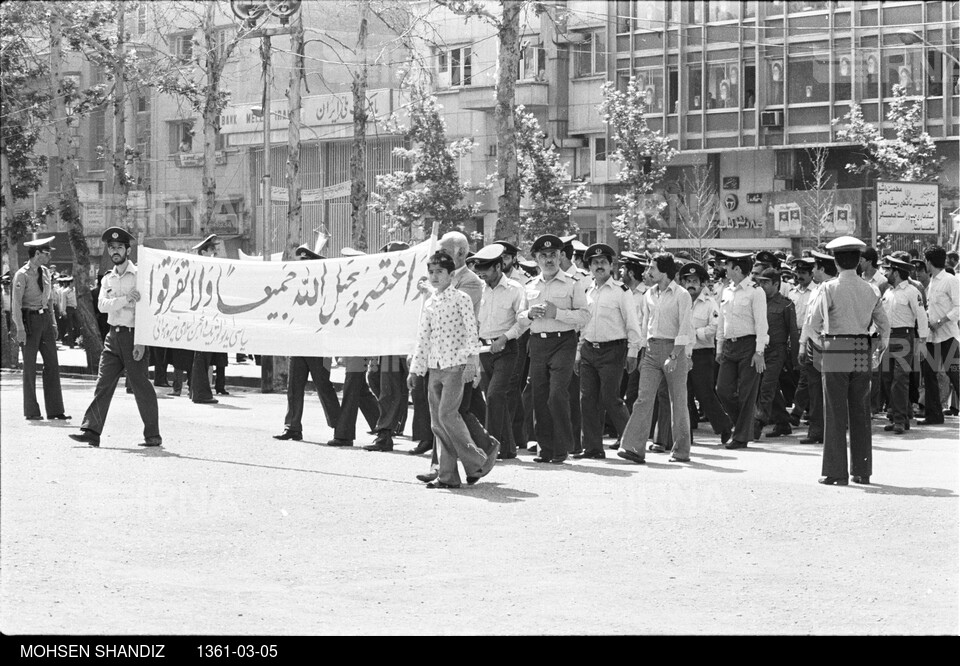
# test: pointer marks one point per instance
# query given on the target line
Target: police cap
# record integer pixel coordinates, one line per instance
(304, 252)
(546, 242)
(508, 247)
(488, 254)
(209, 241)
(116, 235)
(846, 244)
(693, 268)
(599, 250)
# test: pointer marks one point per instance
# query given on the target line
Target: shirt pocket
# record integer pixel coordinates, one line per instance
(532, 294)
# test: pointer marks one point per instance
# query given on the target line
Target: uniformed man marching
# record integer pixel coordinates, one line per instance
(741, 340)
(908, 327)
(800, 295)
(557, 308)
(845, 309)
(609, 342)
(36, 330)
(824, 270)
(118, 298)
(780, 351)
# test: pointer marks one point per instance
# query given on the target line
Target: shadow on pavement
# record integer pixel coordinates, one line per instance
(877, 489)
(710, 468)
(493, 492)
(569, 467)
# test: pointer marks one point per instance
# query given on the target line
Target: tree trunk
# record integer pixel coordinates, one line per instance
(8, 348)
(358, 157)
(295, 206)
(70, 201)
(211, 121)
(121, 184)
(508, 208)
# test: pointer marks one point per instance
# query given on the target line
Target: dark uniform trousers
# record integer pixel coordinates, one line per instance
(897, 364)
(199, 379)
(801, 397)
(389, 385)
(117, 357)
(502, 393)
(701, 384)
(770, 402)
(601, 368)
(521, 372)
(356, 397)
(738, 383)
(815, 387)
(846, 397)
(940, 356)
(39, 329)
(422, 431)
(300, 368)
(576, 419)
(551, 365)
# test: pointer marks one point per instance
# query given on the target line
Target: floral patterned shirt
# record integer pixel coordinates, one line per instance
(447, 335)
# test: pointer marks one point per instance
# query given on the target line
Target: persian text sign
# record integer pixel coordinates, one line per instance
(353, 306)
(907, 208)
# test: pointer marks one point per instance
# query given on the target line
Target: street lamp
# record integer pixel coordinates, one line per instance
(910, 38)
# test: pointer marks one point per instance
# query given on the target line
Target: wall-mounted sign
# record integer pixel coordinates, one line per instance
(137, 199)
(907, 208)
(739, 222)
(731, 183)
(754, 197)
(731, 202)
(787, 219)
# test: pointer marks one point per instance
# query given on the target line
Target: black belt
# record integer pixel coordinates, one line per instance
(29, 311)
(902, 328)
(121, 328)
(742, 337)
(608, 343)
(552, 334)
(847, 336)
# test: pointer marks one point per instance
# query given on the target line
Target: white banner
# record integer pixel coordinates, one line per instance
(908, 208)
(350, 306)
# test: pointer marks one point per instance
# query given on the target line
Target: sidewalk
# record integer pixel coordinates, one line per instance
(73, 363)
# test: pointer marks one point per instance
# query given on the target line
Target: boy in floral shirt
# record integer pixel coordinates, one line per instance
(447, 346)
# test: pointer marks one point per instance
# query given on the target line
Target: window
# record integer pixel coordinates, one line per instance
(184, 47)
(749, 86)
(143, 103)
(695, 89)
(723, 10)
(600, 157)
(904, 68)
(181, 136)
(98, 142)
(533, 63)
(650, 15)
(809, 79)
(934, 72)
(723, 85)
(673, 89)
(180, 222)
(868, 72)
(590, 56)
(650, 81)
(455, 67)
(623, 16)
(774, 74)
(799, 6)
(842, 77)
(223, 37)
(750, 9)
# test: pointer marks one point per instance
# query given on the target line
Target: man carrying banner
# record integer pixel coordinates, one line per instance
(200, 392)
(118, 298)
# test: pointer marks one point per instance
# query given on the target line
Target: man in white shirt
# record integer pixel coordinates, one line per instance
(118, 298)
(943, 311)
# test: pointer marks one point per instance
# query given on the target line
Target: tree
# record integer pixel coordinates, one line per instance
(643, 155)
(545, 182)
(699, 207)
(431, 189)
(910, 156)
(819, 197)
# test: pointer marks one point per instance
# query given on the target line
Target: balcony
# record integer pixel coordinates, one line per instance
(531, 94)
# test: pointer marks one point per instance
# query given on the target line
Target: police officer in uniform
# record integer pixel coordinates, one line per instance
(908, 327)
(36, 330)
(845, 309)
(118, 298)
(800, 295)
(581, 276)
(609, 343)
(300, 368)
(557, 309)
(741, 340)
(782, 329)
(824, 270)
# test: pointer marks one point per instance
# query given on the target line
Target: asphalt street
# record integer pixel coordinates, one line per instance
(225, 530)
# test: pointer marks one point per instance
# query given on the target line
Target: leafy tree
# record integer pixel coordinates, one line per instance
(699, 207)
(431, 190)
(545, 182)
(643, 155)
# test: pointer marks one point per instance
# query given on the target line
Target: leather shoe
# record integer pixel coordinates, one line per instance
(175, 392)
(541, 459)
(491, 458)
(440, 484)
(87, 437)
(289, 434)
(506, 456)
(929, 422)
(224, 392)
(735, 445)
(834, 481)
(422, 447)
(161, 384)
(151, 442)
(35, 418)
(59, 417)
(207, 401)
(725, 436)
(631, 456)
(657, 448)
(780, 430)
(757, 429)
(862, 480)
(559, 460)
(472, 480)
(812, 440)
(380, 445)
(340, 442)
(615, 446)
(676, 459)
(427, 478)
(794, 420)
(596, 455)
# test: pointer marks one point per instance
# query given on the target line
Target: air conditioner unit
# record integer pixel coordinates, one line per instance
(771, 119)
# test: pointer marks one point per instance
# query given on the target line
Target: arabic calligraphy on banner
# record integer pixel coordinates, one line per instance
(351, 306)
(907, 208)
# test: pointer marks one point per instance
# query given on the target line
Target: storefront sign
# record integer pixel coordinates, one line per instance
(315, 111)
(907, 208)
(731, 202)
(739, 222)
(731, 183)
(755, 197)
(94, 217)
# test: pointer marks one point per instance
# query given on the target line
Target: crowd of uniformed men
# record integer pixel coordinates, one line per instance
(578, 343)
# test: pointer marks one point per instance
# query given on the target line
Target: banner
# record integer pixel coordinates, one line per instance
(787, 219)
(351, 306)
(908, 208)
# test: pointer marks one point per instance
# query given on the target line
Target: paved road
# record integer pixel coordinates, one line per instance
(227, 531)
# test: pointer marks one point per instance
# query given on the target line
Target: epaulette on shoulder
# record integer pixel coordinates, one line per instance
(625, 287)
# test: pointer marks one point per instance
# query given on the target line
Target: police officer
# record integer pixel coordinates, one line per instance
(118, 298)
(609, 343)
(581, 276)
(633, 268)
(765, 259)
(782, 329)
(908, 327)
(811, 345)
(200, 392)
(300, 368)
(741, 340)
(701, 381)
(501, 303)
(36, 330)
(800, 295)
(846, 308)
(557, 308)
